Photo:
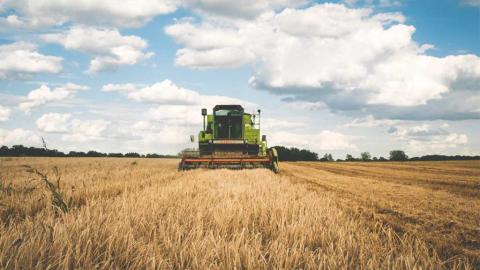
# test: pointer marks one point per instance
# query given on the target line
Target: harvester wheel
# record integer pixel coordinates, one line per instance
(180, 166)
(275, 167)
(274, 158)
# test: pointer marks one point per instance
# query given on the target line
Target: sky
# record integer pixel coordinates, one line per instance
(334, 77)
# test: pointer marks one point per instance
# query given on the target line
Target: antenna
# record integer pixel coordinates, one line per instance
(204, 113)
(44, 144)
(259, 111)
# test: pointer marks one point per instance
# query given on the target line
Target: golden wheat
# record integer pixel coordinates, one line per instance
(142, 214)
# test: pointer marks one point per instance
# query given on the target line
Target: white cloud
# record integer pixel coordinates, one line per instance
(423, 131)
(22, 60)
(346, 58)
(174, 97)
(210, 46)
(322, 141)
(4, 113)
(429, 138)
(72, 129)
(474, 3)
(108, 47)
(40, 14)
(19, 136)
(128, 87)
(438, 144)
(53, 122)
(89, 128)
(371, 121)
(177, 115)
(45, 94)
(372, 3)
(272, 124)
(34, 14)
(240, 9)
(165, 92)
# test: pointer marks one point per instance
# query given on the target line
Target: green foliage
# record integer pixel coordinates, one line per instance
(22, 151)
(365, 156)
(295, 154)
(58, 201)
(398, 155)
(327, 157)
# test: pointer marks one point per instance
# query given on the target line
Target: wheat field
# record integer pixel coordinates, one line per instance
(107, 213)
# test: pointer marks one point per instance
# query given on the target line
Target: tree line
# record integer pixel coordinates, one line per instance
(284, 154)
(22, 151)
(295, 154)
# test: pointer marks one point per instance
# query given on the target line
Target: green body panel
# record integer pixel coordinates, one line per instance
(251, 134)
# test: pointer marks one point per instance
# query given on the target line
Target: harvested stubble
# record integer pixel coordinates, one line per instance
(147, 215)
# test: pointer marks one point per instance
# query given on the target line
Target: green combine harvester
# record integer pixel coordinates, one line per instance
(230, 139)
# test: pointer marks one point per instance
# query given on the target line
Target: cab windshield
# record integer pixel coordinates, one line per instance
(228, 124)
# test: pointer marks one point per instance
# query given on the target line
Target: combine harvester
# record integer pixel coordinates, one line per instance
(230, 139)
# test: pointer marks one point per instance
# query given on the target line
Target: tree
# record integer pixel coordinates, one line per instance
(92, 153)
(366, 156)
(327, 157)
(295, 154)
(349, 158)
(132, 154)
(398, 155)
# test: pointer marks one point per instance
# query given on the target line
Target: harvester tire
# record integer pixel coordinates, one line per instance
(272, 152)
(275, 167)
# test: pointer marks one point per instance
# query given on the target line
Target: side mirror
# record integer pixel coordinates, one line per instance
(192, 138)
(204, 112)
(264, 138)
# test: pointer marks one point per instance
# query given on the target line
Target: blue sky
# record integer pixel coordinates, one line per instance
(341, 77)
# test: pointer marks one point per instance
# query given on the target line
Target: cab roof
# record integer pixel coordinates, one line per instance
(228, 107)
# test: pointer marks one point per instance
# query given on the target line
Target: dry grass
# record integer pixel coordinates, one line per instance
(127, 213)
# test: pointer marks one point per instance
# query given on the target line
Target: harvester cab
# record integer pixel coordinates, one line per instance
(230, 139)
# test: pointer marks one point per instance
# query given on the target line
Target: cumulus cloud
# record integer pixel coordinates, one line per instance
(208, 46)
(45, 94)
(169, 94)
(438, 144)
(21, 60)
(165, 92)
(19, 136)
(38, 14)
(349, 59)
(108, 47)
(321, 141)
(246, 9)
(418, 132)
(4, 113)
(127, 87)
(428, 138)
(371, 121)
(32, 14)
(53, 122)
(72, 129)
(381, 3)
